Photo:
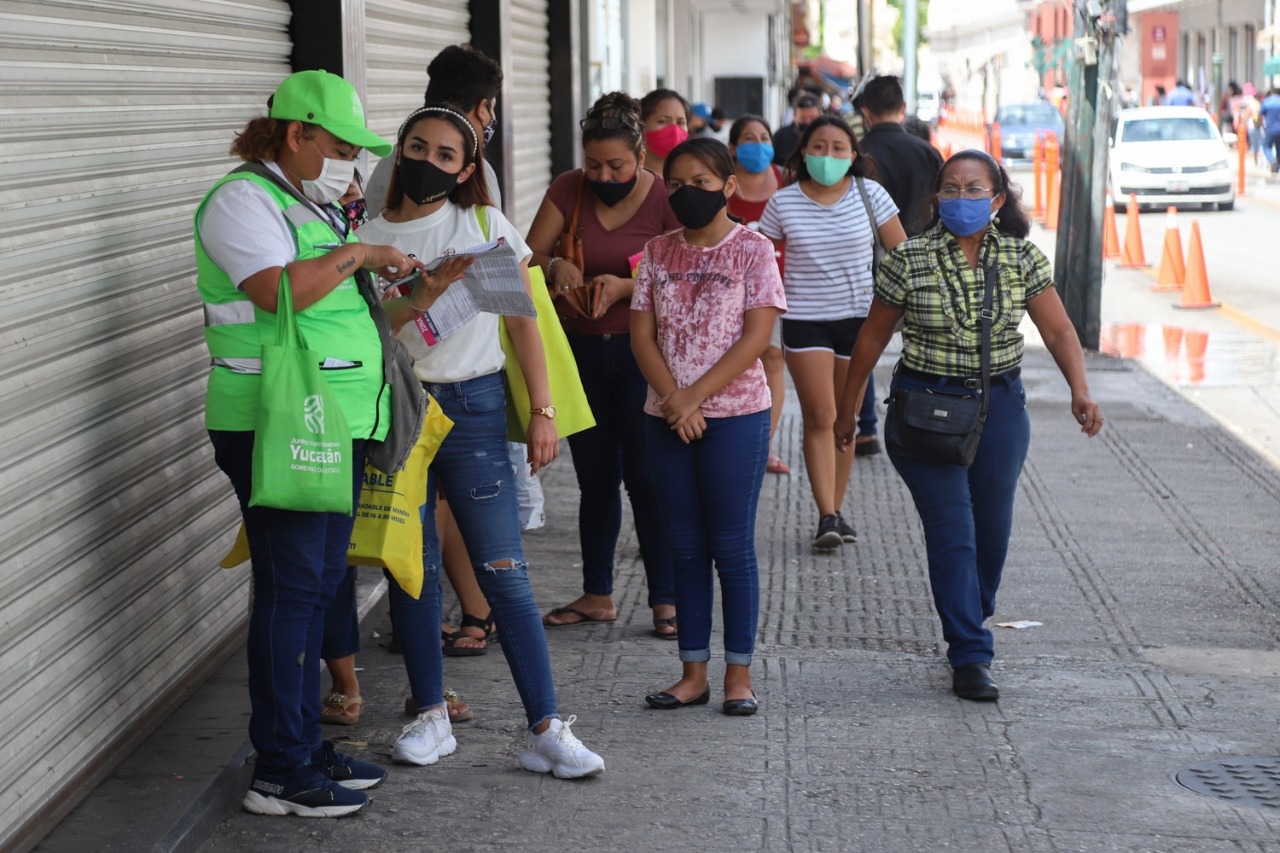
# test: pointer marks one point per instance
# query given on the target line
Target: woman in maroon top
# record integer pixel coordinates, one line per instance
(622, 207)
(751, 144)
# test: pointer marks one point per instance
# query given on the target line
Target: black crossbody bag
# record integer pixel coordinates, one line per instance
(933, 426)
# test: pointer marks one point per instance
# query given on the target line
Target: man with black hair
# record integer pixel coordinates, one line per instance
(907, 167)
(805, 109)
(461, 75)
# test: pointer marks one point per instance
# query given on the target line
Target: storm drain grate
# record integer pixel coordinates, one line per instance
(1251, 781)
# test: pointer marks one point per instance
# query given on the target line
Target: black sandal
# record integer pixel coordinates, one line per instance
(486, 625)
(668, 622)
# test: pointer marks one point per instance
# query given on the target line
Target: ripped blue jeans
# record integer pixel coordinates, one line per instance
(474, 472)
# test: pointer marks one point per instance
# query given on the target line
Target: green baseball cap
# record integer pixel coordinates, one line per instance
(319, 97)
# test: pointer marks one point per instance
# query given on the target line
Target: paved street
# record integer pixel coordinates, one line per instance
(1147, 553)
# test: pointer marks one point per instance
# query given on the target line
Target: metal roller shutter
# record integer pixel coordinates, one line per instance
(401, 38)
(531, 116)
(117, 117)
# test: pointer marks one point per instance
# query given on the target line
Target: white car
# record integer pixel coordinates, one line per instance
(1170, 156)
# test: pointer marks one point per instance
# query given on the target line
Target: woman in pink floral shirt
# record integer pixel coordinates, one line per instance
(706, 299)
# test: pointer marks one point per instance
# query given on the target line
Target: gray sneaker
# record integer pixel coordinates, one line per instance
(847, 533)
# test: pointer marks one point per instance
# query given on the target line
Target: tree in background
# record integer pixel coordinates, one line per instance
(899, 25)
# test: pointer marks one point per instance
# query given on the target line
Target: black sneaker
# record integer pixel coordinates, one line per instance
(350, 773)
(828, 535)
(847, 533)
(305, 792)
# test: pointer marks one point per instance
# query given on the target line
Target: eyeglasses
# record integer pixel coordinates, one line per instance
(609, 123)
(950, 193)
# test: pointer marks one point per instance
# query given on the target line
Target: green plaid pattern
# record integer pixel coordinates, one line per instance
(928, 277)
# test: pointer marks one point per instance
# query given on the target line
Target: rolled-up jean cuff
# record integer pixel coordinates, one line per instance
(737, 659)
(695, 655)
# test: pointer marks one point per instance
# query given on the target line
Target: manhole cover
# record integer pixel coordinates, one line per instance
(1251, 781)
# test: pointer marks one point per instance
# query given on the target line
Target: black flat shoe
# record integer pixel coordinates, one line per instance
(741, 707)
(667, 702)
(973, 681)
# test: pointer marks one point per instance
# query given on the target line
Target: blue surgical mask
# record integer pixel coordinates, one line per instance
(755, 157)
(965, 216)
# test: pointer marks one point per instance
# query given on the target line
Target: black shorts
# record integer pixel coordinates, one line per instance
(835, 336)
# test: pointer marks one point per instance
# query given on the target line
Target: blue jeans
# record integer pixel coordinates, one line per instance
(867, 417)
(710, 490)
(609, 455)
(341, 621)
(299, 559)
(474, 471)
(968, 516)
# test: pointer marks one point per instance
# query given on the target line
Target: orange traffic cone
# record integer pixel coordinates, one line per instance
(1173, 270)
(1195, 293)
(1133, 255)
(1037, 176)
(1054, 182)
(1110, 236)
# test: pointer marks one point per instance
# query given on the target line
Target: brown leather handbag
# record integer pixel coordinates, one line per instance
(579, 303)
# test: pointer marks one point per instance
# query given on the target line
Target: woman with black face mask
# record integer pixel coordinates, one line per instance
(610, 209)
(437, 206)
(706, 299)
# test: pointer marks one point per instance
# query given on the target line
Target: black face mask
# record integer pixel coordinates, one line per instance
(424, 182)
(612, 192)
(694, 207)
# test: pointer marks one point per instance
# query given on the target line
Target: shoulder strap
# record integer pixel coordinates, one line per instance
(988, 294)
(577, 205)
(877, 247)
(482, 216)
(257, 168)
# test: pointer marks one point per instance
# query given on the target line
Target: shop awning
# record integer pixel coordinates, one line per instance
(1271, 65)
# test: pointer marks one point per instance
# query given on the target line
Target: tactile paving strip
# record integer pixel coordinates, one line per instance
(1250, 781)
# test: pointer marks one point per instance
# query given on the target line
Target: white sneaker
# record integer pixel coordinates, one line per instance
(426, 740)
(558, 751)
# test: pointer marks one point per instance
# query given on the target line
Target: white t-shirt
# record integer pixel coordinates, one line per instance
(474, 349)
(244, 231)
(829, 249)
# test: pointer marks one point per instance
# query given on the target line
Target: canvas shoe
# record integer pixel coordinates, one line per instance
(426, 740)
(305, 792)
(847, 533)
(559, 752)
(828, 535)
(347, 771)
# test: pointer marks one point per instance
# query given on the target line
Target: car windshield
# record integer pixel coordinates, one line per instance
(1166, 130)
(1036, 115)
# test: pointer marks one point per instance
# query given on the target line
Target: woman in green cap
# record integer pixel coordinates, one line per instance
(274, 220)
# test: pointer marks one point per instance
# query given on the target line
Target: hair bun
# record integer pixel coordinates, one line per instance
(616, 103)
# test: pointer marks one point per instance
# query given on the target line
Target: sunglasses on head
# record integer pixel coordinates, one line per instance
(609, 123)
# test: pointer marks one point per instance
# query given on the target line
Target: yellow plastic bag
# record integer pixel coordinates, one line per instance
(388, 528)
(388, 525)
(573, 412)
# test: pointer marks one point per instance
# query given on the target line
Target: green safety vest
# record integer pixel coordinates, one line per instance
(338, 327)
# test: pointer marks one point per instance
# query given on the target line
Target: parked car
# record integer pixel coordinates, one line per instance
(927, 106)
(1019, 124)
(1170, 156)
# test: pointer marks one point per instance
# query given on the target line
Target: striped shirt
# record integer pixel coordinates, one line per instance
(930, 279)
(829, 249)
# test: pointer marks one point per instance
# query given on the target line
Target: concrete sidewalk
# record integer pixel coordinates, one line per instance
(1147, 553)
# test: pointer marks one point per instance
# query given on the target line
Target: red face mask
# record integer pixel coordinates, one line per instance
(664, 140)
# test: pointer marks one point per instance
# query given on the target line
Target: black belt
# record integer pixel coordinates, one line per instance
(1007, 377)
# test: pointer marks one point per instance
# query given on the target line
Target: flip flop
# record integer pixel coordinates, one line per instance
(338, 709)
(583, 618)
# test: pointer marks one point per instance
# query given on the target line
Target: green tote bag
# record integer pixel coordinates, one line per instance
(302, 444)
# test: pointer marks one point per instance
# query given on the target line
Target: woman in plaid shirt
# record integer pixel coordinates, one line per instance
(935, 282)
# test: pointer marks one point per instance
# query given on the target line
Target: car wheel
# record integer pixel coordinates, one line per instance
(1227, 205)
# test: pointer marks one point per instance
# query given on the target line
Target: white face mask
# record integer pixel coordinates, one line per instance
(334, 180)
